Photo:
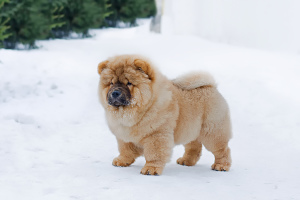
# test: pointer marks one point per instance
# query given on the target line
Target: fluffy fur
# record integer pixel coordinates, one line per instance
(162, 113)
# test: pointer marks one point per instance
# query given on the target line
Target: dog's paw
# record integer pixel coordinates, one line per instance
(122, 162)
(221, 167)
(186, 161)
(148, 170)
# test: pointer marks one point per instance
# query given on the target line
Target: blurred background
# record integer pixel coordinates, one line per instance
(267, 24)
(264, 24)
(25, 21)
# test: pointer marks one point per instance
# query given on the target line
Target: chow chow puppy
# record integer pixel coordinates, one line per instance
(149, 114)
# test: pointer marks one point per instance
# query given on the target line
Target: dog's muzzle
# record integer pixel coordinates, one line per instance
(119, 95)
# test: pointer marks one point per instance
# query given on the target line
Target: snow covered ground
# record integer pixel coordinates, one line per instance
(55, 144)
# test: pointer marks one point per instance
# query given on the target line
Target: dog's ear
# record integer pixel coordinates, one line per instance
(102, 66)
(144, 67)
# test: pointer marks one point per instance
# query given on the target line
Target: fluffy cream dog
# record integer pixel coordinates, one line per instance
(149, 114)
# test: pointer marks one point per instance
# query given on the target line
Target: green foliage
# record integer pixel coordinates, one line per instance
(129, 10)
(25, 21)
(80, 15)
(52, 10)
(3, 26)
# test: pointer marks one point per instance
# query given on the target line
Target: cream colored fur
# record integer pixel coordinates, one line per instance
(188, 110)
(194, 80)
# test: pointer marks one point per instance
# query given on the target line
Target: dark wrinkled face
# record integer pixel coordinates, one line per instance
(125, 83)
(118, 95)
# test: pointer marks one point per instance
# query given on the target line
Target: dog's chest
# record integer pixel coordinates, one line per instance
(122, 127)
(123, 133)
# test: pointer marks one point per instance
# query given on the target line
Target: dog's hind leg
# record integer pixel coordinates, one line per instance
(217, 143)
(222, 159)
(192, 153)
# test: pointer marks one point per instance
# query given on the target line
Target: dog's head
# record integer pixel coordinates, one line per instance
(125, 81)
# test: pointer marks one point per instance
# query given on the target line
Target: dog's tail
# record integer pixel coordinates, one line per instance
(195, 80)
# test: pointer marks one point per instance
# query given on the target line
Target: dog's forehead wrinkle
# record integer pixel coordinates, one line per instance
(115, 79)
(123, 74)
(119, 71)
(135, 76)
(122, 78)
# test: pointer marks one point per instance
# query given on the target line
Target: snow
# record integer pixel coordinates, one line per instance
(55, 143)
(267, 24)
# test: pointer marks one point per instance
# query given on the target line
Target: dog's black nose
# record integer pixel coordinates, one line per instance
(116, 94)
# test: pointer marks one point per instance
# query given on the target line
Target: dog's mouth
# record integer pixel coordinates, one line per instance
(119, 95)
(118, 102)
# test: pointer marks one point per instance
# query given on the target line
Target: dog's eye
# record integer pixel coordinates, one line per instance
(129, 83)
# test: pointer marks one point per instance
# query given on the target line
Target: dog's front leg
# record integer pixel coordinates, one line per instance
(157, 151)
(128, 153)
